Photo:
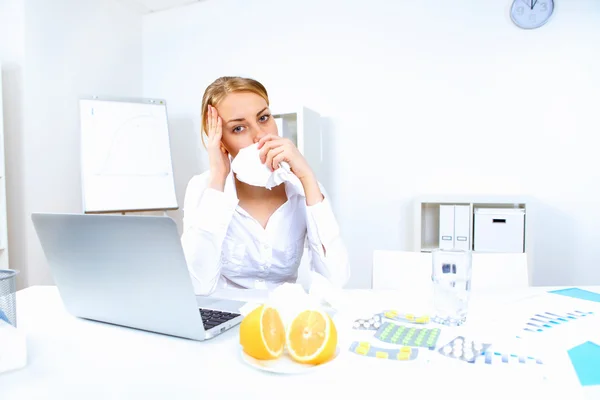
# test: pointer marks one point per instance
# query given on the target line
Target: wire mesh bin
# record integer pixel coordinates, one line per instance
(8, 297)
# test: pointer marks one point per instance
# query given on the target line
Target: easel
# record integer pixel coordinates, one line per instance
(153, 212)
(112, 131)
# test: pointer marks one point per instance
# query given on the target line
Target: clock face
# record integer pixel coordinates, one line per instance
(530, 14)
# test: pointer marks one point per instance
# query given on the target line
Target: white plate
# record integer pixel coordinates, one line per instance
(284, 364)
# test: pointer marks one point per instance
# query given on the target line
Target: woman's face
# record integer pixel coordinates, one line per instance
(246, 118)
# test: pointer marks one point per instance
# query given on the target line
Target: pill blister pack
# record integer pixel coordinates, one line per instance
(376, 320)
(402, 317)
(408, 336)
(464, 349)
(372, 324)
(404, 353)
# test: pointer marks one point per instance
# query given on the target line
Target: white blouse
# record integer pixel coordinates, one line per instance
(224, 246)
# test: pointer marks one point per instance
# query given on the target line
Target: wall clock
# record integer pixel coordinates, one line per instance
(531, 14)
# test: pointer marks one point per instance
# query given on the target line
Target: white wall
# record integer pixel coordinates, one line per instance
(12, 25)
(69, 49)
(417, 97)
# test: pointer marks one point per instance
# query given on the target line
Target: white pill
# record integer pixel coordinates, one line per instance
(376, 318)
(457, 353)
(371, 320)
(366, 324)
(376, 325)
(356, 325)
(447, 349)
(458, 341)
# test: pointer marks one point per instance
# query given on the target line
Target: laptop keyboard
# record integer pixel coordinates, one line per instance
(212, 318)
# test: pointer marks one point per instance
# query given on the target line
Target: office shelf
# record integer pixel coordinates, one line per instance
(427, 216)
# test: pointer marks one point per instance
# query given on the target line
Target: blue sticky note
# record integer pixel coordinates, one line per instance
(586, 361)
(578, 294)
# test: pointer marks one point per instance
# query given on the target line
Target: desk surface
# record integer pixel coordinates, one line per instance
(71, 358)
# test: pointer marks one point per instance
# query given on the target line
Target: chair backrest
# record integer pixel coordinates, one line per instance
(399, 270)
(410, 270)
(500, 271)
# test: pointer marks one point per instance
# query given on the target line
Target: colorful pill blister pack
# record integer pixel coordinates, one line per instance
(397, 316)
(404, 353)
(408, 336)
(464, 349)
(370, 324)
(374, 322)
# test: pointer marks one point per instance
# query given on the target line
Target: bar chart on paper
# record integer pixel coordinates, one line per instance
(126, 156)
(545, 320)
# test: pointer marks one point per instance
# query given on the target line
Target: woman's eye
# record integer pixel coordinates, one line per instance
(264, 118)
(238, 129)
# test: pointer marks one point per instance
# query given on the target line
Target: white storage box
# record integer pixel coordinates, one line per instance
(500, 230)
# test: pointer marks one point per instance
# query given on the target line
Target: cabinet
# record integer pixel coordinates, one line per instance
(468, 222)
(303, 126)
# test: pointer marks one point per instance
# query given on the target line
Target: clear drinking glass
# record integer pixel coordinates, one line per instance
(451, 275)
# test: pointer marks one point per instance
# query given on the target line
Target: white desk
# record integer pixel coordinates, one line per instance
(70, 358)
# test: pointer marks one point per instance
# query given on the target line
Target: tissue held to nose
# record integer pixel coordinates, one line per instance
(249, 169)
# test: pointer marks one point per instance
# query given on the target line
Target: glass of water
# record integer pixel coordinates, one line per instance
(451, 275)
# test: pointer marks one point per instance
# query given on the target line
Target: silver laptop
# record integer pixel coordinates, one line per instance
(129, 271)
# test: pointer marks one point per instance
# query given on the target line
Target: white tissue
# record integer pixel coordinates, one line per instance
(13, 348)
(249, 169)
(325, 293)
(288, 298)
(248, 307)
(291, 298)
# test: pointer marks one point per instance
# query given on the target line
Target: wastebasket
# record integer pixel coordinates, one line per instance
(8, 289)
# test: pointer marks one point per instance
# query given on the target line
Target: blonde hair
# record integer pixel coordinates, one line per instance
(220, 88)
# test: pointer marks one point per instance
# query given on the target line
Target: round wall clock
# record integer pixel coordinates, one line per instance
(530, 14)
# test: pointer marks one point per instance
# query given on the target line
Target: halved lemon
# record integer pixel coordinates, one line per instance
(311, 337)
(262, 333)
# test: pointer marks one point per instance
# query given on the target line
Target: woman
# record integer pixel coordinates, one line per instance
(243, 236)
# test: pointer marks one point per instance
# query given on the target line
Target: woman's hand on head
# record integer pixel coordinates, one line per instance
(218, 157)
(274, 149)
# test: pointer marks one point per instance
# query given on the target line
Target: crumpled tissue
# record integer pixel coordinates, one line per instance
(323, 291)
(291, 298)
(249, 169)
